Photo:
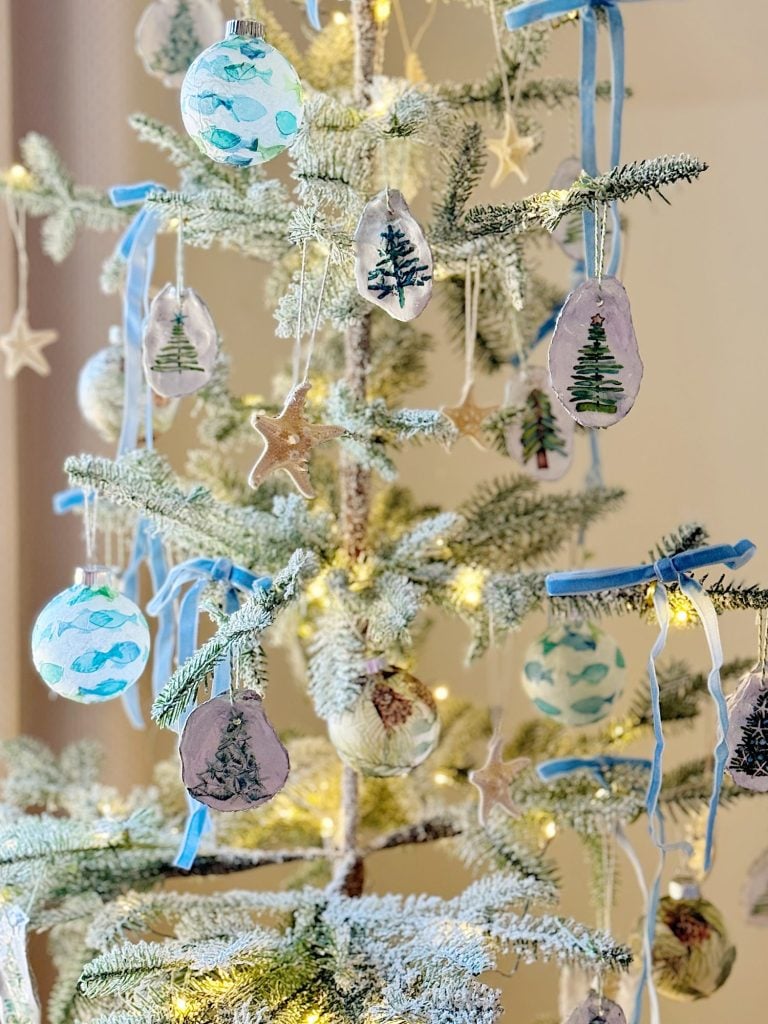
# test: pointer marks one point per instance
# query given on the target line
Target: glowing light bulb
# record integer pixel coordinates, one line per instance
(18, 176)
(618, 731)
(468, 587)
(602, 794)
(681, 616)
(381, 11)
(327, 828)
(312, 1017)
(181, 1005)
(339, 18)
(549, 830)
(441, 693)
(442, 779)
(317, 590)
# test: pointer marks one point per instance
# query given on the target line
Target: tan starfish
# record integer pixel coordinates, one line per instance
(511, 151)
(468, 417)
(288, 441)
(23, 347)
(493, 780)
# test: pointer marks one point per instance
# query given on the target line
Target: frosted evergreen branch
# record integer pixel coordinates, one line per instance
(429, 831)
(194, 520)
(486, 95)
(547, 209)
(243, 627)
(50, 192)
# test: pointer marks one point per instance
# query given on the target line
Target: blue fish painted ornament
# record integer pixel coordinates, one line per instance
(241, 100)
(90, 643)
(574, 673)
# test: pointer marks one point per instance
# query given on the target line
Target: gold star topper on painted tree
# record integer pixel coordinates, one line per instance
(288, 441)
(23, 347)
(511, 150)
(493, 780)
(468, 417)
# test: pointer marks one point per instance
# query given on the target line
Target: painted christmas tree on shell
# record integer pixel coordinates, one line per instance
(182, 44)
(179, 353)
(591, 390)
(751, 754)
(538, 432)
(397, 269)
(233, 771)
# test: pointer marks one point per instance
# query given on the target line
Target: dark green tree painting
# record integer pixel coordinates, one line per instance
(233, 771)
(179, 353)
(397, 267)
(751, 754)
(593, 389)
(539, 432)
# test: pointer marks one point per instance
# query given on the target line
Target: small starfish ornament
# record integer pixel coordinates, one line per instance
(289, 439)
(468, 417)
(493, 780)
(23, 347)
(511, 151)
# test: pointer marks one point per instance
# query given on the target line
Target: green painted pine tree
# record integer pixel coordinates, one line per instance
(539, 433)
(751, 754)
(233, 770)
(397, 269)
(182, 44)
(592, 390)
(179, 353)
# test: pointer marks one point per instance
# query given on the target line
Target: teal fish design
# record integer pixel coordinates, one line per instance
(578, 641)
(86, 593)
(223, 68)
(620, 662)
(286, 122)
(592, 674)
(121, 654)
(248, 47)
(242, 108)
(106, 688)
(237, 161)
(547, 708)
(592, 705)
(536, 672)
(50, 672)
(103, 618)
(221, 138)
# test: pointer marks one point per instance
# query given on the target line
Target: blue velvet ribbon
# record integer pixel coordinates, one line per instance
(597, 767)
(542, 10)
(662, 573)
(313, 14)
(195, 575)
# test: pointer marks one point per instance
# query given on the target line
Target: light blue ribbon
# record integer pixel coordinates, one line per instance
(661, 573)
(313, 14)
(597, 767)
(197, 574)
(542, 10)
(137, 248)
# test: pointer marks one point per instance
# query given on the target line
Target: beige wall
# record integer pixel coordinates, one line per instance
(692, 448)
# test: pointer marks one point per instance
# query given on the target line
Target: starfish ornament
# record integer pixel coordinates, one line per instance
(289, 439)
(493, 780)
(23, 347)
(468, 417)
(511, 151)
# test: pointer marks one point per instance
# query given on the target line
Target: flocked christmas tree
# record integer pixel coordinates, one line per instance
(355, 578)
(539, 433)
(593, 388)
(178, 353)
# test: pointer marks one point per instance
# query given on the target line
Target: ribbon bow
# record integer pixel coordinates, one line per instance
(197, 574)
(597, 767)
(661, 573)
(543, 10)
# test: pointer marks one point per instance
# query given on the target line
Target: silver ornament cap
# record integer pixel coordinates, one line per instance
(94, 576)
(245, 27)
(684, 888)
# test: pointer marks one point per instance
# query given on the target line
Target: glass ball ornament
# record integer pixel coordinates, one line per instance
(90, 643)
(390, 728)
(101, 394)
(574, 672)
(692, 953)
(241, 100)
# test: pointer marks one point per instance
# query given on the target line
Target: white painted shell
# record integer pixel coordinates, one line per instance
(594, 361)
(180, 343)
(393, 265)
